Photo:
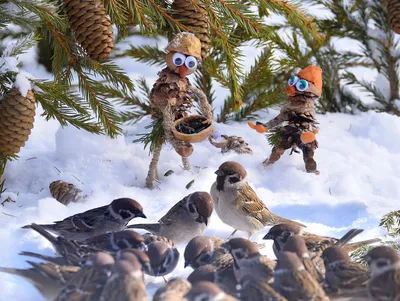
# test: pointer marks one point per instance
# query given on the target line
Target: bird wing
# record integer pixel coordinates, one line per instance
(173, 214)
(351, 275)
(82, 222)
(252, 205)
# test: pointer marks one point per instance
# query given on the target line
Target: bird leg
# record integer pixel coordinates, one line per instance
(152, 174)
(186, 163)
(233, 233)
(165, 280)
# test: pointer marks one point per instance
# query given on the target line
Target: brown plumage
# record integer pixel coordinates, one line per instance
(259, 290)
(173, 290)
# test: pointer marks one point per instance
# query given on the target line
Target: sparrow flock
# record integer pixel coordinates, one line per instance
(100, 258)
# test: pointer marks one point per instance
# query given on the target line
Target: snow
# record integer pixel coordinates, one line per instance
(359, 182)
(23, 84)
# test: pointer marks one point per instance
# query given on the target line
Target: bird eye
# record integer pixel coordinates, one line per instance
(205, 258)
(239, 255)
(178, 59)
(191, 62)
(381, 263)
(293, 80)
(302, 85)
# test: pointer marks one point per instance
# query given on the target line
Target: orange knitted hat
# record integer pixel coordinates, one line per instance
(313, 74)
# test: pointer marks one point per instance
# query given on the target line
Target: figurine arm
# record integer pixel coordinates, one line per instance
(205, 106)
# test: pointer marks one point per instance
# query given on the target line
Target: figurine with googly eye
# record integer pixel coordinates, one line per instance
(171, 97)
(296, 125)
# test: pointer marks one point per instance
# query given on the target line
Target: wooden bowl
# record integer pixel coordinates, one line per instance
(195, 137)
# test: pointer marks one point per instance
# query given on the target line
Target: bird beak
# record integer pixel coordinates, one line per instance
(219, 173)
(186, 264)
(141, 214)
(183, 71)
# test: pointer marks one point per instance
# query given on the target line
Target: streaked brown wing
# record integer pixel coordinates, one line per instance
(82, 222)
(171, 215)
(252, 205)
(351, 275)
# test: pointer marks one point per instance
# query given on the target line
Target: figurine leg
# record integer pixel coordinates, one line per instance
(186, 163)
(308, 157)
(276, 154)
(152, 174)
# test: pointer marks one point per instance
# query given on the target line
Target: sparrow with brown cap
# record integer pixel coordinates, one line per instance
(237, 204)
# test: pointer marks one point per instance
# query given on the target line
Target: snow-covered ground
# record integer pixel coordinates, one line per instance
(359, 160)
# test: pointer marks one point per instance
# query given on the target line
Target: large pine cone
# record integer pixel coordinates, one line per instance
(195, 18)
(66, 193)
(393, 8)
(17, 114)
(91, 26)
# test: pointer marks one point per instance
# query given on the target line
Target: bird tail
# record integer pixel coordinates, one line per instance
(28, 274)
(348, 236)
(153, 228)
(41, 229)
(55, 260)
(278, 219)
(354, 246)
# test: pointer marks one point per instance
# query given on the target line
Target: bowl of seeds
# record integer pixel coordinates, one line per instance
(194, 128)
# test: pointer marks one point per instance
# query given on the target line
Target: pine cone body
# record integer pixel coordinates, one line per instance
(393, 9)
(17, 114)
(194, 17)
(91, 26)
(66, 193)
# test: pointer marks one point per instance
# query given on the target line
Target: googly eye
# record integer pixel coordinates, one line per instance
(191, 62)
(293, 80)
(302, 85)
(178, 59)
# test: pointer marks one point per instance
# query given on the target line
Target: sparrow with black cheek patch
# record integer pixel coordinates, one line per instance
(342, 275)
(384, 267)
(297, 244)
(173, 290)
(237, 204)
(293, 282)
(48, 278)
(185, 220)
(109, 218)
(207, 291)
(220, 272)
(87, 284)
(259, 290)
(163, 258)
(315, 243)
(202, 250)
(248, 261)
(125, 283)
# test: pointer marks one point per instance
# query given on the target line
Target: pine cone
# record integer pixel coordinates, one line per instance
(393, 9)
(17, 114)
(66, 193)
(195, 18)
(91, 26)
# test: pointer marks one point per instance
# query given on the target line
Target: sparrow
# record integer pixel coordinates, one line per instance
(315, 243)
(207, 291)
(110, 242)
(185, 220)
(342, 275)
(173, 290)
(150, 238)
(220, 272)
(237, 204)
(293, 282)
(259, 290)
(202, 250)
(247, 260)
(297, 245)
(48, 278)
(125, 283)
(163, 258)
(384, 267)
(87, 284)
(109, 218)
(126, 254)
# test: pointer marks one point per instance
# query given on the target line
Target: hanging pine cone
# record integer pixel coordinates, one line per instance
(91, 26)
(393, 9)
(66, 193)
(17, 114)
(195, 18)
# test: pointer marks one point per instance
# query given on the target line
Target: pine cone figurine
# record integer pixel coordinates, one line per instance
(393, 9)
(17, 114)
(66, 193)
(91, 26)
(194, 17)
